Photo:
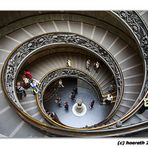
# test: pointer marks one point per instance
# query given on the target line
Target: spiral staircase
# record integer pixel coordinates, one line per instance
(43, 41)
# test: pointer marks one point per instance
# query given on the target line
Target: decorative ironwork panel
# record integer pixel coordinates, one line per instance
(140, 31)
(37, 43)
(66, 72)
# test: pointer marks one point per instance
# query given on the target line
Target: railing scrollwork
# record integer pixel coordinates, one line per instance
(139, 31)
(25, 50)
(22, 53)
(58, 74)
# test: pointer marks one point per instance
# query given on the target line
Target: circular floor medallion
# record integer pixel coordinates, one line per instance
(79, 111)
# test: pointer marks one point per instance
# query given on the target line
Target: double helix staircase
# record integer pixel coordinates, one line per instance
(126, 56)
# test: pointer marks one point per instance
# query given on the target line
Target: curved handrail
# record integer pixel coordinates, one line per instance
(25, 50)
(141, 100)
(103, 126)
(137, 27)
(51, 76)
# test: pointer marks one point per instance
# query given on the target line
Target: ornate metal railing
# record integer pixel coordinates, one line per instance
(23, 52)
(68, 72)
(139, 31)
(27, 49)
(62, 73)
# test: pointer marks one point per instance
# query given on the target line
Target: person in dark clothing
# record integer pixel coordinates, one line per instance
(92, 104)
(88, 64)
(144, 106)
(119, 124)
(111, 88)
(58, 101)
(72, 96)
(142, 109)
(52, 114)
(48, 113)
(75, 90)
(66, 106)
(96, 66)
(20, 91)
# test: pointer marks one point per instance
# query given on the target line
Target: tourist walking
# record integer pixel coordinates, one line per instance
(96, 66)
(72, 96)
(68, 64)
(60, 83)
(20, 91)
(58, 101)
(88, 64)
(75, 90)
(111, 88)
(35, 86)
(28, 74)
(66, 106)
(92, 104)
(109, 99)
(26, 82)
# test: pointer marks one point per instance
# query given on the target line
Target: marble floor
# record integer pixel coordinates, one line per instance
(87, 94)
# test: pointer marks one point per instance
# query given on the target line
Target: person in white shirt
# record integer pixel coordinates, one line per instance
(68, 63)
(26, 82)
(61, 83)
(109, 98)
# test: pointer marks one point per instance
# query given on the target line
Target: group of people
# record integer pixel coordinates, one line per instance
(96, 65)
(58, 101)
(26, 82)
(72, 95)
(52, 115)
(66, 104)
